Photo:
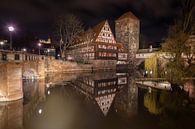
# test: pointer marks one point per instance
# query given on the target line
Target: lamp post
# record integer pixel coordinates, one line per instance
(11, 29)
(39, 45)
(24, 50)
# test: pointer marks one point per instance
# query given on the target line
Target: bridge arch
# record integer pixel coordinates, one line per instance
(30, 74)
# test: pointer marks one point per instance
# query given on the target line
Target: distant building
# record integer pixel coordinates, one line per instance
(47, 47)
(191, 42)
(102, 50)
(127, 29)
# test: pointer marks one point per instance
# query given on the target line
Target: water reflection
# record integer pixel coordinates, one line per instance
(98, 100)
(101, 88)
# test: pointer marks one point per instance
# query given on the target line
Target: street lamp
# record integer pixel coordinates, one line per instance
(39, 45)
(1, 43)
(11, 29)
(24, 49)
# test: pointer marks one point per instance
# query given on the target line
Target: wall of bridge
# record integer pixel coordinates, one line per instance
(13, 66)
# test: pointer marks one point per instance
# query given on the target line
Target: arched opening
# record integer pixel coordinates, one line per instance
(30, 74)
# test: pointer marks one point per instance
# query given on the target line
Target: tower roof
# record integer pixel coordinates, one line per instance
(128, 15)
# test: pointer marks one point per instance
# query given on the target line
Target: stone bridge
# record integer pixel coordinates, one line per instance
(15, 66)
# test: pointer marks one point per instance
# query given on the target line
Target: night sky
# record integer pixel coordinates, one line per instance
(37, 16)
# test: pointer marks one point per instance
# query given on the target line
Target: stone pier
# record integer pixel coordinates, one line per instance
(11, 82)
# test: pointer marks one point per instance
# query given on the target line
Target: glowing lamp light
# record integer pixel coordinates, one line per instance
(40, 111)
(48, 92)
(24, 49)
(39, 44)
(1, 43)
(150, 72)
(11, 28)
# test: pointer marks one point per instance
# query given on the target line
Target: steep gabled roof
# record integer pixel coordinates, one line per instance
(127, 15)
(97, 29)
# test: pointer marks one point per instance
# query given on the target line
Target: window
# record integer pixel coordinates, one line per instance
(4, 56)
(17, 57)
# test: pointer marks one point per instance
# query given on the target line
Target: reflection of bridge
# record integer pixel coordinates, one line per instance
(16, 114)
(15, 65)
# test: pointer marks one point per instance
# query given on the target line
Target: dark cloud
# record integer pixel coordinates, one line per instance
(38, 15)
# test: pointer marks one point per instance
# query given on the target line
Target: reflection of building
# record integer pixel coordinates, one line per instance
(101, 87)
(126, 102)
(11, 115)
(101, 50)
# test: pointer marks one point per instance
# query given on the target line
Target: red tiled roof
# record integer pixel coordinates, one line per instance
(128, 15)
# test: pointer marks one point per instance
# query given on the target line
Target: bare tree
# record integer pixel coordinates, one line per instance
(88, 38)
(68, 30)
(176, 45)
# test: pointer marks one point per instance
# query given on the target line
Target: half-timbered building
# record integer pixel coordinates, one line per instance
(101, 49)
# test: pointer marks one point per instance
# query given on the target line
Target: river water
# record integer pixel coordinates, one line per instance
(98, 101)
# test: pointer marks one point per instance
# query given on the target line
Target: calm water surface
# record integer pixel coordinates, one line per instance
(98, 101)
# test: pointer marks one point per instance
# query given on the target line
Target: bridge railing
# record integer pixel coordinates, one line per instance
(20, 56)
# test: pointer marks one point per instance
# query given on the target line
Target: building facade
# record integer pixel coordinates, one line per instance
(102, 50)
(127, 29)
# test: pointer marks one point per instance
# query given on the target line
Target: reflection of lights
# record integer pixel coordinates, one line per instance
(40, 111)
(58, 55)
(150, 89)
(146, 72)
(48, 92)
(47, 85)
(165, 72)
(150, 72)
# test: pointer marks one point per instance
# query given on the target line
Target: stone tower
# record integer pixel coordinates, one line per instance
(127, 29)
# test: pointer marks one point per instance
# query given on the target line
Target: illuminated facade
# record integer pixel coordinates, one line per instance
(127, 29)
(101, 51)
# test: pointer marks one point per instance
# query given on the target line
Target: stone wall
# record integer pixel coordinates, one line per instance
(64, 66)
(11, 82)
(127, 32)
